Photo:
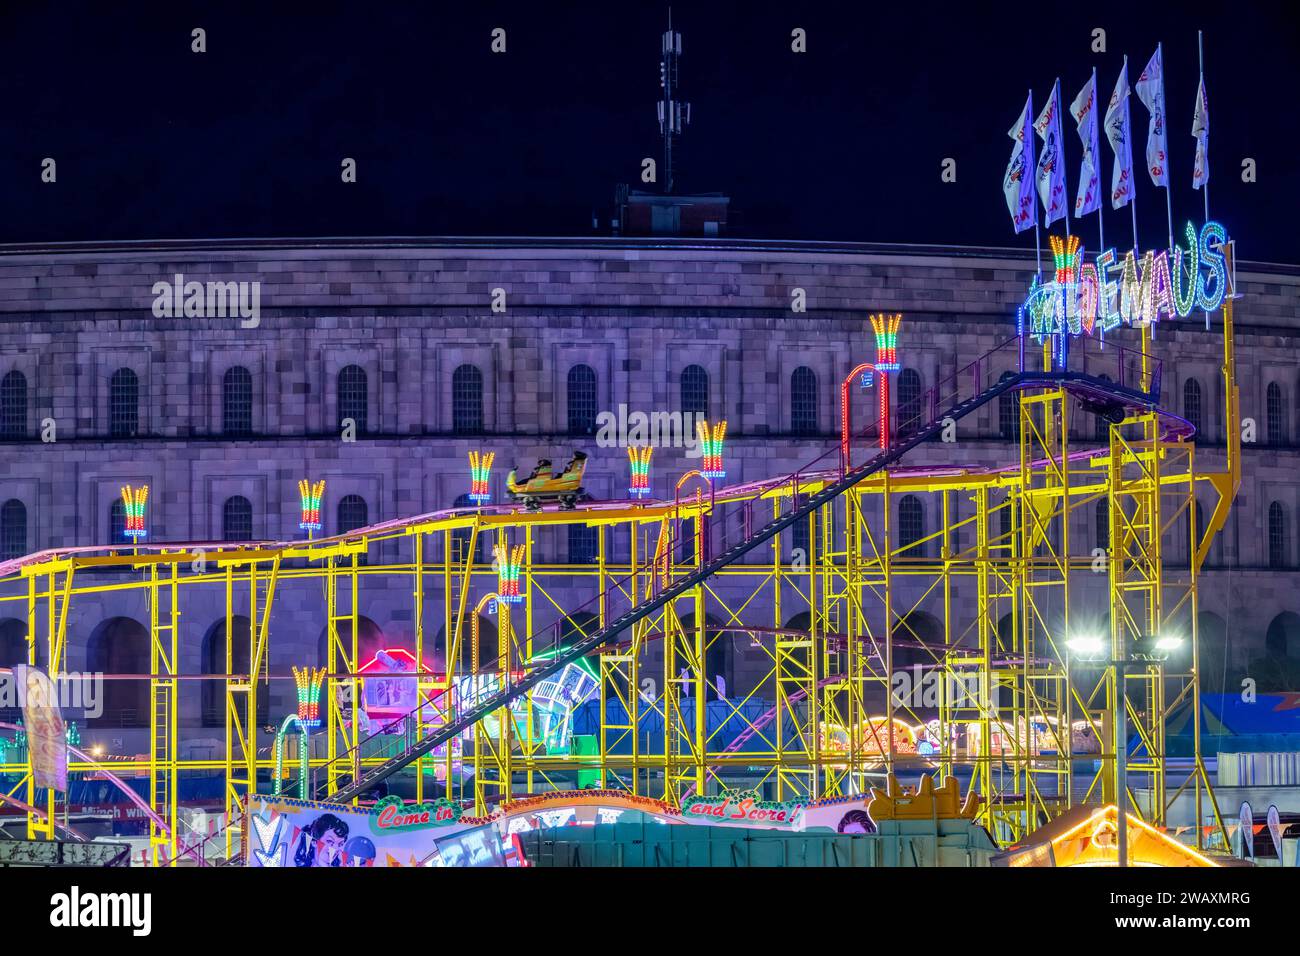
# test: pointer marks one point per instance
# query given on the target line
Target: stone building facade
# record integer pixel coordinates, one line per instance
(221, 416)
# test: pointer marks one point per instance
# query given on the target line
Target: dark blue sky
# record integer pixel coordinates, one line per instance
(841, 143)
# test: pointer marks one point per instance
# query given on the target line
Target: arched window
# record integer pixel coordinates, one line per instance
(13, 529)
(582, 400)
(13, 405)
(354, 398)
(116, 522)
(237, 402)
(120, 645)
(213, 650)
(909, 402)
(1276, 413)
(467, 400)
(695, 391)
(686, 541)
(582, 544)
(237, 519)
(911, 526)
(1101, 426)
(1102, 517)
(1192, 403)
(1009, 412)
(13, 650)
(801, 536)
(1279, 550)
(352, 513)
(803, 401)
(460, 538)
(123, 404)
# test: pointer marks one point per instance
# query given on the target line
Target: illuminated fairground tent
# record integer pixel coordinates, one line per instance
(1088, 836)
(1268, 722)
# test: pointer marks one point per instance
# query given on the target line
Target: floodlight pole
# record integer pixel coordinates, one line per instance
(1121, 761)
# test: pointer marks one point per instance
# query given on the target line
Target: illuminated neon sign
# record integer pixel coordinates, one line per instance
(1085, 296)
(391, 813)
(741, 807)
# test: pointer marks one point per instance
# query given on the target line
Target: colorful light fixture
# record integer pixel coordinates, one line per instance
(480, 467)
(639, 459)
(311, 495)
(1065, 256)
(711, 440)
(886, 329)
(309, 681)
(509, 563)
(134, 500)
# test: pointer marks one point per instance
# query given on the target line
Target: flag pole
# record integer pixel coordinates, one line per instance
(1101, 228)
(1132, 203)
(1029, 154)
(1128, 134)
(1065, 179)
(1065, 186)
(1169, 203)
(1205, 186)
(1096, 160)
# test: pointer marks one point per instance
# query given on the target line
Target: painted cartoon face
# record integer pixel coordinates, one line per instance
(330, 846)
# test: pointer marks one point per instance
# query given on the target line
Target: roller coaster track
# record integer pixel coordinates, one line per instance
(1096, 390)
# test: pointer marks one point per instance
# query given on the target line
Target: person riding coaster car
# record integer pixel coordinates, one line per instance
(542, 487)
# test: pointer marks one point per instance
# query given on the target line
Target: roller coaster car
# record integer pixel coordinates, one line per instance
(541, 487)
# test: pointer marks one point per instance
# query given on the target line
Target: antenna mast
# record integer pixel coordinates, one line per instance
(673, 114)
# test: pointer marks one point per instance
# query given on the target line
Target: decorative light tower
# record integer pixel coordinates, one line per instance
(311, 495)
(480, 468)
(308, 681)
(510, 562)
(711, 440)
(1066, 257)
(886, 329)
(639, 460)
(133, 501)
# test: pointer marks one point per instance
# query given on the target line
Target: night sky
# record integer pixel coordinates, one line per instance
(844, 142)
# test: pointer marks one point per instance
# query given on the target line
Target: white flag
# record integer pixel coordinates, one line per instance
(1016, 185)
(1118, 134)
(1051, 165)
(1084, 109)
(1201, 130)
(1151, 91)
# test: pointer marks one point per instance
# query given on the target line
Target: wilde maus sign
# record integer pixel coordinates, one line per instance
(1083, 297)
